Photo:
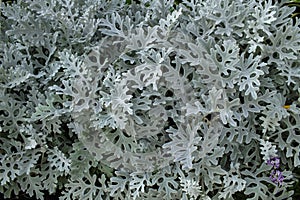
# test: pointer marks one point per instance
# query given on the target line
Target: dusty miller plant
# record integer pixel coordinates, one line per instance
(150, 100)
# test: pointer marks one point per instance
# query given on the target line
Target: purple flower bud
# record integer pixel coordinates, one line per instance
(276, 177)
(274, 161)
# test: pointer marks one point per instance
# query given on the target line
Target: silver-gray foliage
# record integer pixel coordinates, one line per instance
(151, 100)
